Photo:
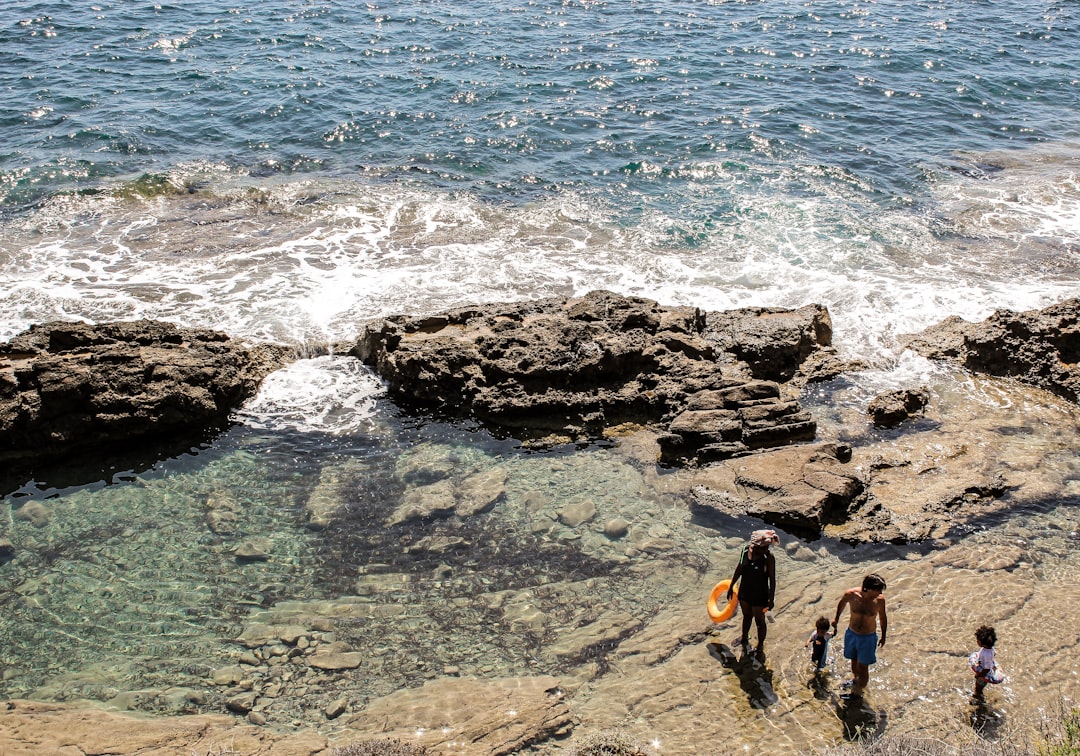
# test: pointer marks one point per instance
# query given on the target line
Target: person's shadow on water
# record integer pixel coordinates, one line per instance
(749, 666)
(819, 685)
(986, 721)
(861, 723)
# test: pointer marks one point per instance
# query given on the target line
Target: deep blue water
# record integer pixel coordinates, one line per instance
(511, 100)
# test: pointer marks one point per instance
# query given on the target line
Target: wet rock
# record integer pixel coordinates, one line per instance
(982, 558)
(479, 491)
(424, 502)
(76, 386)
(824, 365)
(526, 617)
(496, 717)
(33, 727)
(258, 634)
(772, 342)
(574, 367)
(336, 708)
(577, 513)
(802, 554)
(739, 417)
(439, 544)
(223, 522)
(463, 495)
(33, 512)
(656, 545)
(535, 502)
(1039, 347)
(242, 703)
(333, 662)
(922, 492)
(228, 675)
(617, 528)
(223, 513)
(890, 409)
(604, 630)
(798, 488)
(253, 550)
(325, 499)
(7, 550)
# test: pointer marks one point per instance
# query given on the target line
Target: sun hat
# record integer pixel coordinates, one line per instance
(764, 538)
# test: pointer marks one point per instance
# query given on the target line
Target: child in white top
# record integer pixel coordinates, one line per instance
(983, 662)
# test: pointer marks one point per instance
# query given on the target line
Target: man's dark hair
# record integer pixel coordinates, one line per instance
(873, 582)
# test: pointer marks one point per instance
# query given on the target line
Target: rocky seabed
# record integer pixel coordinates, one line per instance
(490, 603)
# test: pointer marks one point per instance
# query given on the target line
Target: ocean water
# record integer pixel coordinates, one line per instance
(283, 171)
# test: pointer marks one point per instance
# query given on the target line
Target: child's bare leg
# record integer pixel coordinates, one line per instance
(747, 618)
(762, 627)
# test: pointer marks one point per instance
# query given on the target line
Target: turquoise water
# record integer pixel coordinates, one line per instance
(285, 171)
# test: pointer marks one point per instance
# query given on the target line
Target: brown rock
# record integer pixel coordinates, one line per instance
(799, 488)
(334, 662)
(577, 513)
(1039, 347)
(773, 342)
(617, 528)
(494, 717)
(33, 512)
(336, 708)
(242, 703)
(256, 549)
(892, 408)
(478, 492)
(30, 728)
(576, 367)
(72, 385)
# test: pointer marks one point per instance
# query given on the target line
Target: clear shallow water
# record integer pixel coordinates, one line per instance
(284, 172)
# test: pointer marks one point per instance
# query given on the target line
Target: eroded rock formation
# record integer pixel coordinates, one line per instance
(800, 489)
(894, 407)
(73, 385)
(577, 367)
(1039, 347)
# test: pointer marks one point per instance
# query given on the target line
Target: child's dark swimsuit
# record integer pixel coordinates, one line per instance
(754, 586)
(819, 648)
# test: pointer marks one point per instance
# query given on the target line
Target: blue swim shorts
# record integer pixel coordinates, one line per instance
(861, 647)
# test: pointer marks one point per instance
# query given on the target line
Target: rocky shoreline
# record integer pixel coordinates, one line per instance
(715, 397)
(66, 387)
(711, 387)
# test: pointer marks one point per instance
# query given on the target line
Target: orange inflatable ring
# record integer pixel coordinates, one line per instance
(716, 614)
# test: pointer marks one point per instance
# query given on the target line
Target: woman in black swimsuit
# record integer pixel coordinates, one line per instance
(757, 569)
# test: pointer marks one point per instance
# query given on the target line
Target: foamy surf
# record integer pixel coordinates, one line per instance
(308, 262)
(329, 394)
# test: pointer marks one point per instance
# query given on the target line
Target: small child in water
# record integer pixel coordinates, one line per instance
(818, 642)
(983, 662)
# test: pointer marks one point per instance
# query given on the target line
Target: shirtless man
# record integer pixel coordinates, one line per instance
(861, 639)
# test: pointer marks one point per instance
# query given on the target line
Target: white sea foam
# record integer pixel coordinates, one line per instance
(335, 395)
(307, 262)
